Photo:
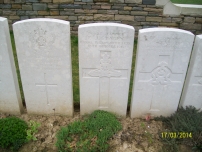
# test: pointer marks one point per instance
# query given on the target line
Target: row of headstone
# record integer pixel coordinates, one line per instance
(105, 58)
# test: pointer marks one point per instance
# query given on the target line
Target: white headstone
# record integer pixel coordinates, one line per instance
(161, 65)
(10, 99)
(44, 55)
(105, 57)
(192, 93)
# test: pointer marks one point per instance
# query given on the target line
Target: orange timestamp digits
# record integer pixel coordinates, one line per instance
(180, 135)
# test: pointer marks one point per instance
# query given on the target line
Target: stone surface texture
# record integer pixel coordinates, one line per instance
(171, 9)
(161, 2)
(161, 65)
(184, 9)
(105, 57)
(38, 6)
(10, 99)
(96, 12)
(192, 93)
(149, 2)
(133, 1)
(44, 56)
(63, 1)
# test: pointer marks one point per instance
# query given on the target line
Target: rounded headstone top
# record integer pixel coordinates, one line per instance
(164, 30)
(43, 20)
(106, 24)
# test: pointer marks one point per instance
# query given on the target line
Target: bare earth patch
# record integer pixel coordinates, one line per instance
(137, 135)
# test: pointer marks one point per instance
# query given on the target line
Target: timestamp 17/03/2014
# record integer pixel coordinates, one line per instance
(180, 135)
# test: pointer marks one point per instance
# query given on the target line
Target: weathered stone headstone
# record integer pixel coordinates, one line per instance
(10, 99)
(44, 55)
(105, 57)
(192, 93)
(162, 59)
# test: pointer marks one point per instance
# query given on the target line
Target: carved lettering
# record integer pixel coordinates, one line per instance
(106, 44)
(108, 36)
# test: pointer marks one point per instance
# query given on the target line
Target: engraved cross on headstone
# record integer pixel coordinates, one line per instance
(46, 85)
(159, 79)
(105, 72)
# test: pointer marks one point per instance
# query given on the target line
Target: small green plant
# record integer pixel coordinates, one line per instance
(147, 134)
(12, 133)
(90, 135)
(184, 121)
(33, 126)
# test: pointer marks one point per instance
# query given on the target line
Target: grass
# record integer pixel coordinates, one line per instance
(199, 2)
(90, 135)
(17, 66)
(75, 69)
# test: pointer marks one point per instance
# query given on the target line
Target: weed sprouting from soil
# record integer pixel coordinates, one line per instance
(33, 129)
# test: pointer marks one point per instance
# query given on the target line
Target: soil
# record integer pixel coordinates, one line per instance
(137, 135)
